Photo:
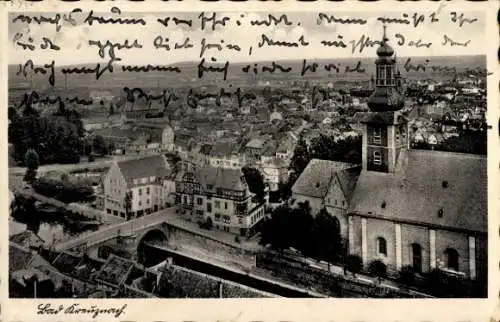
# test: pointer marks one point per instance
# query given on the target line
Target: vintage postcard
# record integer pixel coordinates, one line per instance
(256, 161)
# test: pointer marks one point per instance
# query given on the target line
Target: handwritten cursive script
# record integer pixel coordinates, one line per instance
(78, 309)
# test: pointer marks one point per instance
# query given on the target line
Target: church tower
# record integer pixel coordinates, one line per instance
(385, 128)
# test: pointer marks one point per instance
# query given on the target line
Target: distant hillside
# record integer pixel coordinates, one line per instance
(189, 75)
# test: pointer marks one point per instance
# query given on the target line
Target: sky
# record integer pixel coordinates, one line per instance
(73, 40)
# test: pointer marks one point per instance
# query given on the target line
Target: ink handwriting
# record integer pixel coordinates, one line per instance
(324, 18)
(161, 42)
(272, 20)
(265, 40)
(213, 20)
(447, 40)
(35, 98)
(112, 46)
(461, 19)
(121, 21)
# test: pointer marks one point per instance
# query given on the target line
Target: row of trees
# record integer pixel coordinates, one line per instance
(474, 142)
(317, 237)
(64, 191)
(56, 138)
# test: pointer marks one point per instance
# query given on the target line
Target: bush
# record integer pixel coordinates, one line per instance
(64, 191)
(354, 264)
(407, 275)
(378, 268)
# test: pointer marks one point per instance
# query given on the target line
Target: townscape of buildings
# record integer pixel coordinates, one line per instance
(403, 206)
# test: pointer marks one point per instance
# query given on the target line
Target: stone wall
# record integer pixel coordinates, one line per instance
(181, 239)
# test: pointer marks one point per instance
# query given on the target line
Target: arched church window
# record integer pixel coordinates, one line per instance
(377, 158)
(452, 259)
(381, 246)
(416, 253)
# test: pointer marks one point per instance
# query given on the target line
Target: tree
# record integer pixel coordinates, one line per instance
(56, 138)
(32, 161)
(255, 182)
(128, 204)
(99, 145)
(327, 148)
(287, 227)
(273, 230)
(354, 264)
(326, 242)
(378, 269)
(407, 275)
(111, 109)
(299, 160)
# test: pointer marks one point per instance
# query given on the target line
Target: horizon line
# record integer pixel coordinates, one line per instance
(257, 61)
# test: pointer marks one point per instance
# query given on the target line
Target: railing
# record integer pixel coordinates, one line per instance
(92, 238)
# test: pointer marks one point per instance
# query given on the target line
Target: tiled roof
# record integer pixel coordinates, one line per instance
(256, 143)
(222, 149)
(425, 183)
(211, 178)
(146, 167)
(316, 178)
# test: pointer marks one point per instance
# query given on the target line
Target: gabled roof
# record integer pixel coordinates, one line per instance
(155, 165)
(426, 183)
(256, 143)
(211, 178)
(316, 178)
(348, 179)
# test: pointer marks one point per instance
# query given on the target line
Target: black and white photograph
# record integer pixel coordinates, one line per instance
(247, 154)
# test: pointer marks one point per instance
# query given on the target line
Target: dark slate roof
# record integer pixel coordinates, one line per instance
(383, 99)
(149, 166)
(416, 192)
(230, 179)
(317, 176)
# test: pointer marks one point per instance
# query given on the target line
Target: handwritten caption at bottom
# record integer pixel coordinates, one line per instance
(77, 309)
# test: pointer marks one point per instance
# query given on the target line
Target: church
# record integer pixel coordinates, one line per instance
(419, 208)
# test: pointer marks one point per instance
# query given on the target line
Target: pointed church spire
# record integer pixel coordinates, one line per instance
(384, 38)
